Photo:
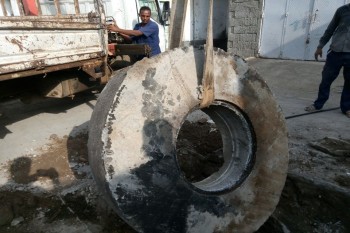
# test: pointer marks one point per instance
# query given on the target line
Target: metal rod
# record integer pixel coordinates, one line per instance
(314, 112)
(76, 5)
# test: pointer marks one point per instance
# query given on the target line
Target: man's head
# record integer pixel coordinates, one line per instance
(145, 14)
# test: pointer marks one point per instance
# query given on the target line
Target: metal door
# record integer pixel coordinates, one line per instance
(273, 28)
(296, 28)
(291, 29)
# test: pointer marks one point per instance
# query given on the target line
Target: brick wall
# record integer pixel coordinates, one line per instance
(244, 27)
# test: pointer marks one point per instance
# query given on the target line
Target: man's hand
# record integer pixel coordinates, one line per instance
(318, 52)
(113, 27)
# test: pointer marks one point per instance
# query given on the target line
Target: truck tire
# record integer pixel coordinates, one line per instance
(132, 145)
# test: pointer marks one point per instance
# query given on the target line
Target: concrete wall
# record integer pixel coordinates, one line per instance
(244, 27)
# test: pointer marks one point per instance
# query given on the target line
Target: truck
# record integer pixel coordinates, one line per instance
(59, 48)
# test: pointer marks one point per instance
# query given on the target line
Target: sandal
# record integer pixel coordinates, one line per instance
(347, 113)
(310, 108)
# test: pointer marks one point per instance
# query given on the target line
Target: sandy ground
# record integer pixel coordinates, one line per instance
(43, 151)
(295, 85)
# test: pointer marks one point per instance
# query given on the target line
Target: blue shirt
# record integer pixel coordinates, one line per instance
(150, 36)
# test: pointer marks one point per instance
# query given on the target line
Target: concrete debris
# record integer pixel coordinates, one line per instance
(333, 146)
(17, 221)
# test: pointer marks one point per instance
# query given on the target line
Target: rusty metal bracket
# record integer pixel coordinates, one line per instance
(47, 69)
(115, 49)
(93, 69)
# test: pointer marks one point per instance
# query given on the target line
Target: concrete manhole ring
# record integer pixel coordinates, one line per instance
(132, 141)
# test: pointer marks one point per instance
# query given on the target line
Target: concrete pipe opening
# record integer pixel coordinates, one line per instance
(221, 148)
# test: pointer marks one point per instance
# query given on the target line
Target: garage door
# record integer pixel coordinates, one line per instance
(291, 29)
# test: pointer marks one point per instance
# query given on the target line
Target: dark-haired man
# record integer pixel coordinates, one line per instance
(146, 32)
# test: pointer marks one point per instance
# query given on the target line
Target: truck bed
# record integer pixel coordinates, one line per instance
(50, 39)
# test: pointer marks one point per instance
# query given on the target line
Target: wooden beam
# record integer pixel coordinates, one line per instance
(177, 22)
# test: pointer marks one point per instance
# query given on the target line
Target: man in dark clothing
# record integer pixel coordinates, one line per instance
(337, 57)
(146, 32)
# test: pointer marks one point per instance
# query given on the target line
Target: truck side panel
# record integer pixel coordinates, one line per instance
(25, 49)
(39, 42)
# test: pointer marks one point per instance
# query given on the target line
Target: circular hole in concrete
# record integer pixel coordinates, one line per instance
(216, 148)
(199, 147)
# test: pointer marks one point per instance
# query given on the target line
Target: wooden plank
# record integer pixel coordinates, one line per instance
(177, 21)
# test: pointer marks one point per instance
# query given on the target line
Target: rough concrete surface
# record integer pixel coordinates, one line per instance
(46, 184)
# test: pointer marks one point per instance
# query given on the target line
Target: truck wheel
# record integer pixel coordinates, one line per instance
(132, 145)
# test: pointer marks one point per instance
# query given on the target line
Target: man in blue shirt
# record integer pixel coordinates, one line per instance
(337, 57)
(146, 32)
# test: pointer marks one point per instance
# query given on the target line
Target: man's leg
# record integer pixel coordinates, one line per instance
(329, 74)
(345, 96)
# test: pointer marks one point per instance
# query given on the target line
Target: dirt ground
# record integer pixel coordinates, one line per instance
(316, 197)
(73, 204)
(49, 187)
(67, 200)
